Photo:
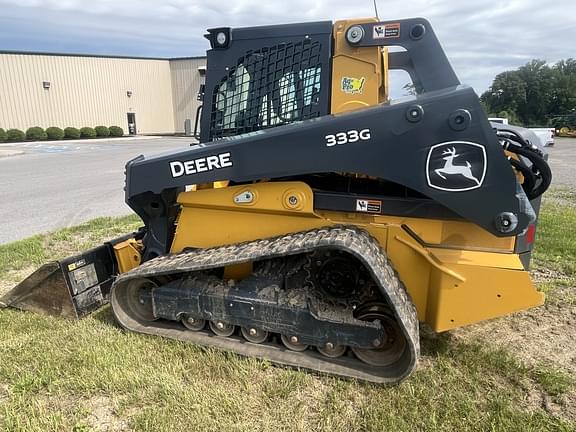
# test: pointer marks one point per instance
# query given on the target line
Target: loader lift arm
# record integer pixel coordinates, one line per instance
(396, 151)
(401, 135)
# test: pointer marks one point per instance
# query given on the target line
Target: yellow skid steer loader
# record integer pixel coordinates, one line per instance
(317, 222)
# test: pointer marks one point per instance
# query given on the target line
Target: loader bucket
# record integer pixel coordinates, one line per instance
(71, 288)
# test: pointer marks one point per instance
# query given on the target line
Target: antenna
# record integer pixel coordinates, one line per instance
(376, 10)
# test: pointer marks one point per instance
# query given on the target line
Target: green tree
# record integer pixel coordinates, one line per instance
(564, 94)
(540, 81)
(507, 93)
(534, 94)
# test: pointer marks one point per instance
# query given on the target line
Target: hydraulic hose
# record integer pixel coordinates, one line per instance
(529, 177)
(538, 176)
(539, 166)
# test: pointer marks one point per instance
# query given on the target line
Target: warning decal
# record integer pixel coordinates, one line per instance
(387, 31)
(77, 264)
(369, 206)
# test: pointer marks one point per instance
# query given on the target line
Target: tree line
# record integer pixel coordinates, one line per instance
(536, 94)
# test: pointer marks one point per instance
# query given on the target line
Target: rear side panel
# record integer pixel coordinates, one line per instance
(494, 285)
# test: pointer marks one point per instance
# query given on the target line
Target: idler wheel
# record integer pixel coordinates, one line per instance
(386, 351)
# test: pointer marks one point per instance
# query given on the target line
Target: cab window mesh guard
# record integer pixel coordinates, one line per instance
(268, 87)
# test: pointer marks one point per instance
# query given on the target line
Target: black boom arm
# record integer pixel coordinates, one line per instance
(438, 143)
(396, 143)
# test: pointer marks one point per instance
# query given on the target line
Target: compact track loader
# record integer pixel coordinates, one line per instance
(317, 223)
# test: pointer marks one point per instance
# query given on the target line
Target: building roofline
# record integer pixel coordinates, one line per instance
(55, 54)
(187, 58)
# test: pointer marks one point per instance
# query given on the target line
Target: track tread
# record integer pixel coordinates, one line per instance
(351, 239)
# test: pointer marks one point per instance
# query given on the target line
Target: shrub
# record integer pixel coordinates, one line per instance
(116, 131)
(55, 133)
(71, 133)
(36, 133)
(87, 132)
(15, 135)
(102, 131)
(3, 136)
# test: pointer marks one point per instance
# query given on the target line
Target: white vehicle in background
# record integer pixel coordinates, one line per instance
(546, 135)
(501, 120)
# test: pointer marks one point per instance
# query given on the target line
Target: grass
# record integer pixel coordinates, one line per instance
(34, 251)
(55, 369)
(88, 375)
(555, 249)
(556, 241)
(554, 382)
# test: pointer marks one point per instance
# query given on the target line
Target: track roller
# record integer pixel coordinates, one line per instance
(194, 324)
(331, 350)
(220, 328)
(293, 343)
(254, 335)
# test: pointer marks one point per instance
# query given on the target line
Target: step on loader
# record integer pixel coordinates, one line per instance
(318, 223)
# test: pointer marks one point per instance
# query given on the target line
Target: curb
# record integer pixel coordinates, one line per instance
(93, 140)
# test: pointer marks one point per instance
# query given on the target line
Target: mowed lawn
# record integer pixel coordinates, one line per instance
(60, 375)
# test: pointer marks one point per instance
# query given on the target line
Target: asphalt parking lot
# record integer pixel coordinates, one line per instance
(46, 186)
(562, 159)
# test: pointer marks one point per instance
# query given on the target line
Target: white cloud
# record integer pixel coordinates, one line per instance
(480, 38)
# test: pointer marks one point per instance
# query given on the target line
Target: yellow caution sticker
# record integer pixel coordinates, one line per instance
(75, 265)
(352, 85)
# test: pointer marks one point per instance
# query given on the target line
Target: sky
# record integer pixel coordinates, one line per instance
(481, 38)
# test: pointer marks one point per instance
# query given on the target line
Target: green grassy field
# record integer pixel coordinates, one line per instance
(59, 375)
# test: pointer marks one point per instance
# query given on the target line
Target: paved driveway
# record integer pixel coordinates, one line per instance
(46, 186)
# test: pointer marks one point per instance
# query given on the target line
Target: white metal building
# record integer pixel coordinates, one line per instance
(45, 89)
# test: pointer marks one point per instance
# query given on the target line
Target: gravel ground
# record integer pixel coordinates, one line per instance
(562, 159)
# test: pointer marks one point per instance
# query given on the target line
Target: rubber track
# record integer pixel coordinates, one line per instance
(346, 238)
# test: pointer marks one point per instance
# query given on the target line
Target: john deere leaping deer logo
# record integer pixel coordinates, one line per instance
(456, 166)
(449, 168)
